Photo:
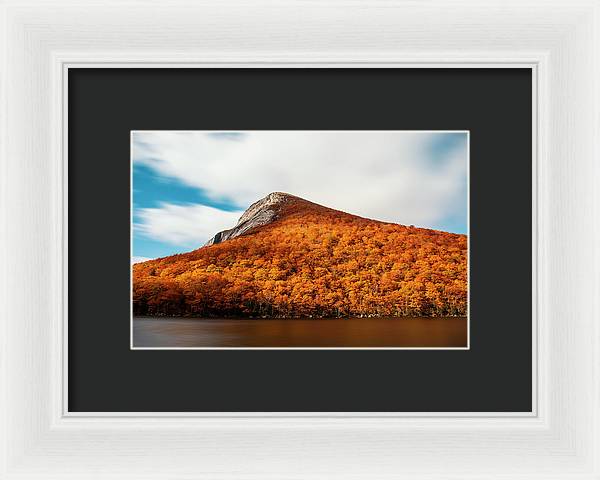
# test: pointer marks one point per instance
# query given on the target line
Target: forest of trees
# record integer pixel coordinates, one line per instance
(311, 262)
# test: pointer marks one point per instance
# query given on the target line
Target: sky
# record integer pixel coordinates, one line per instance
(189, 185)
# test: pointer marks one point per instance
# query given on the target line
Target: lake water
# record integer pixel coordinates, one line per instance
(335, 332)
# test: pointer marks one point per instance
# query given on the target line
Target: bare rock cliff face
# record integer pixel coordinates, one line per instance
(258, 214)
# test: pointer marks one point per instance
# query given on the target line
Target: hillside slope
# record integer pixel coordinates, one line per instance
(294, 258)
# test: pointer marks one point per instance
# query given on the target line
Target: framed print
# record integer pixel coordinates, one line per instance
(300, 240)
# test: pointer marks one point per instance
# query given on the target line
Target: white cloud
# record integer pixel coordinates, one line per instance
(184, 225)
(388, 176)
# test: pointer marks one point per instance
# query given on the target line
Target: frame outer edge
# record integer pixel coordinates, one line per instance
(32, 466)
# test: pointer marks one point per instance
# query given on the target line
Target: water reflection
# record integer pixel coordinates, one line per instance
(345, 332)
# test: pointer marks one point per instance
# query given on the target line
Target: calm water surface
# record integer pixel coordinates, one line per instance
(334, 332)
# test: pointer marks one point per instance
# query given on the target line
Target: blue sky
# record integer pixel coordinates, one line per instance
(189, 185)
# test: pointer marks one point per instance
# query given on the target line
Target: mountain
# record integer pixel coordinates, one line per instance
(266, 210)
(289, 257)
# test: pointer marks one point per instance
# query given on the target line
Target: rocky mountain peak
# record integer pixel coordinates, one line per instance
(260, 213)
(263, 205)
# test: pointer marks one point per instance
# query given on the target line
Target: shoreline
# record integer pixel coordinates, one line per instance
(388, 317)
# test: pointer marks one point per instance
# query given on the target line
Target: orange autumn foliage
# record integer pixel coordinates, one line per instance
(311, 262)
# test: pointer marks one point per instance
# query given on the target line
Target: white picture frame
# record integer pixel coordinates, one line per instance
(558, 40)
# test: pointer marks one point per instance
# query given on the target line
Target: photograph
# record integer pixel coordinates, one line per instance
(300, 239)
